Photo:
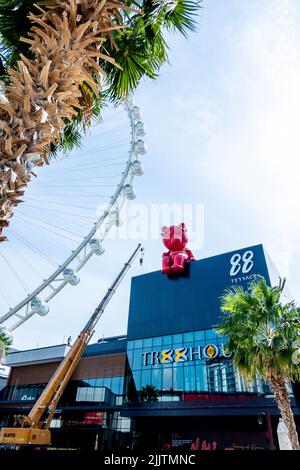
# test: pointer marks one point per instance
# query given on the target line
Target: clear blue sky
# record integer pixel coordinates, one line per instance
(222, 130)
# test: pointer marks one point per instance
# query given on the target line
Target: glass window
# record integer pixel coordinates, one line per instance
(146, 378)
(166, 378)
(215, 383)
(137, 379)
(146, 366)
(90, 394)
(224, 378)
(107, 382)
(188, 364)
(121, 391)
(221, 339)
(166, 340)
(156, 378)
(188, 337)
(119, 400)
(115, 385)
(199, 335)
(157, 341)
(137, 359)
(239, 382)
(147, 342)
(99, 394)
(210, 334)
(137, 343)
(169, 397)
(129, 344)
(130, 357)
(123, 424)
(81, 394)
(177, 339)
(84, 383)
(201, 378)
(189, 379)
(99, 382)
(188, 344)
(178, 364)
(178, 378)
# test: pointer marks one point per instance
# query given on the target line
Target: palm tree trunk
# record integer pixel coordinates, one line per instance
(277, 382)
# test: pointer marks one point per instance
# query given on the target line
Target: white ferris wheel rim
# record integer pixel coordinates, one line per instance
(83, 252)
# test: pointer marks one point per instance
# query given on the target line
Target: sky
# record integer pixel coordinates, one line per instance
(222, 136)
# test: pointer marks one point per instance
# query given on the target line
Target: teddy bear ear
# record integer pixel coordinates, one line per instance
(182, 226)
(164, 229)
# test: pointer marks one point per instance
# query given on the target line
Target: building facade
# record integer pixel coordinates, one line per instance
(169, 382)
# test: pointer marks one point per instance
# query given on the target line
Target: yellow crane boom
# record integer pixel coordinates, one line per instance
(34, 428)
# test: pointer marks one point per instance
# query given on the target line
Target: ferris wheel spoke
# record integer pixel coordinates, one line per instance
(50, 224)
(4, 297)
(27, 262)
(70, 214)
(107, 163)
(62, 203)
(34, 248)
(41, 227)
(14, 272)
(76, 179)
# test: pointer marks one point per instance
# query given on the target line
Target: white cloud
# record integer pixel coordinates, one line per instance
(251, 147)
(222, 129)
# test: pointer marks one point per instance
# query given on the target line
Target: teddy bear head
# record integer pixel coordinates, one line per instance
(174, 238)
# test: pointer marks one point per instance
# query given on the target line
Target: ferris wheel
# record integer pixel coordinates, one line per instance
(68, 212)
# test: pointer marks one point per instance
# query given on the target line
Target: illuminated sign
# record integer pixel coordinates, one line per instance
(169, 356)
(92, 417)
(89, 418)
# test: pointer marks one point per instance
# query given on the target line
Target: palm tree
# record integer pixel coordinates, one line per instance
(261, 331)
(71, 55)
(148, 393)
(5, 342)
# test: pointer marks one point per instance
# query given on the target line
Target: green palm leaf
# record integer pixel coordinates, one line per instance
(140, 51)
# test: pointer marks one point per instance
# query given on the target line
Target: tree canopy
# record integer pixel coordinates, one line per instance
(261, 330)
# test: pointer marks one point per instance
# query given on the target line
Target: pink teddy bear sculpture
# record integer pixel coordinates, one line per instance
(175, 239)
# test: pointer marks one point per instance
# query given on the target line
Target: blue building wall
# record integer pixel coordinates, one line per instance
(161, 305)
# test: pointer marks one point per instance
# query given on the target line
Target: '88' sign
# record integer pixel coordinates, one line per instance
(242, 262)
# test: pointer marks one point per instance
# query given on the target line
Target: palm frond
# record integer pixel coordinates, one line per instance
(260, 329)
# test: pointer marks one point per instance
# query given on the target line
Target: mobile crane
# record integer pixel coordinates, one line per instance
(34, 429)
